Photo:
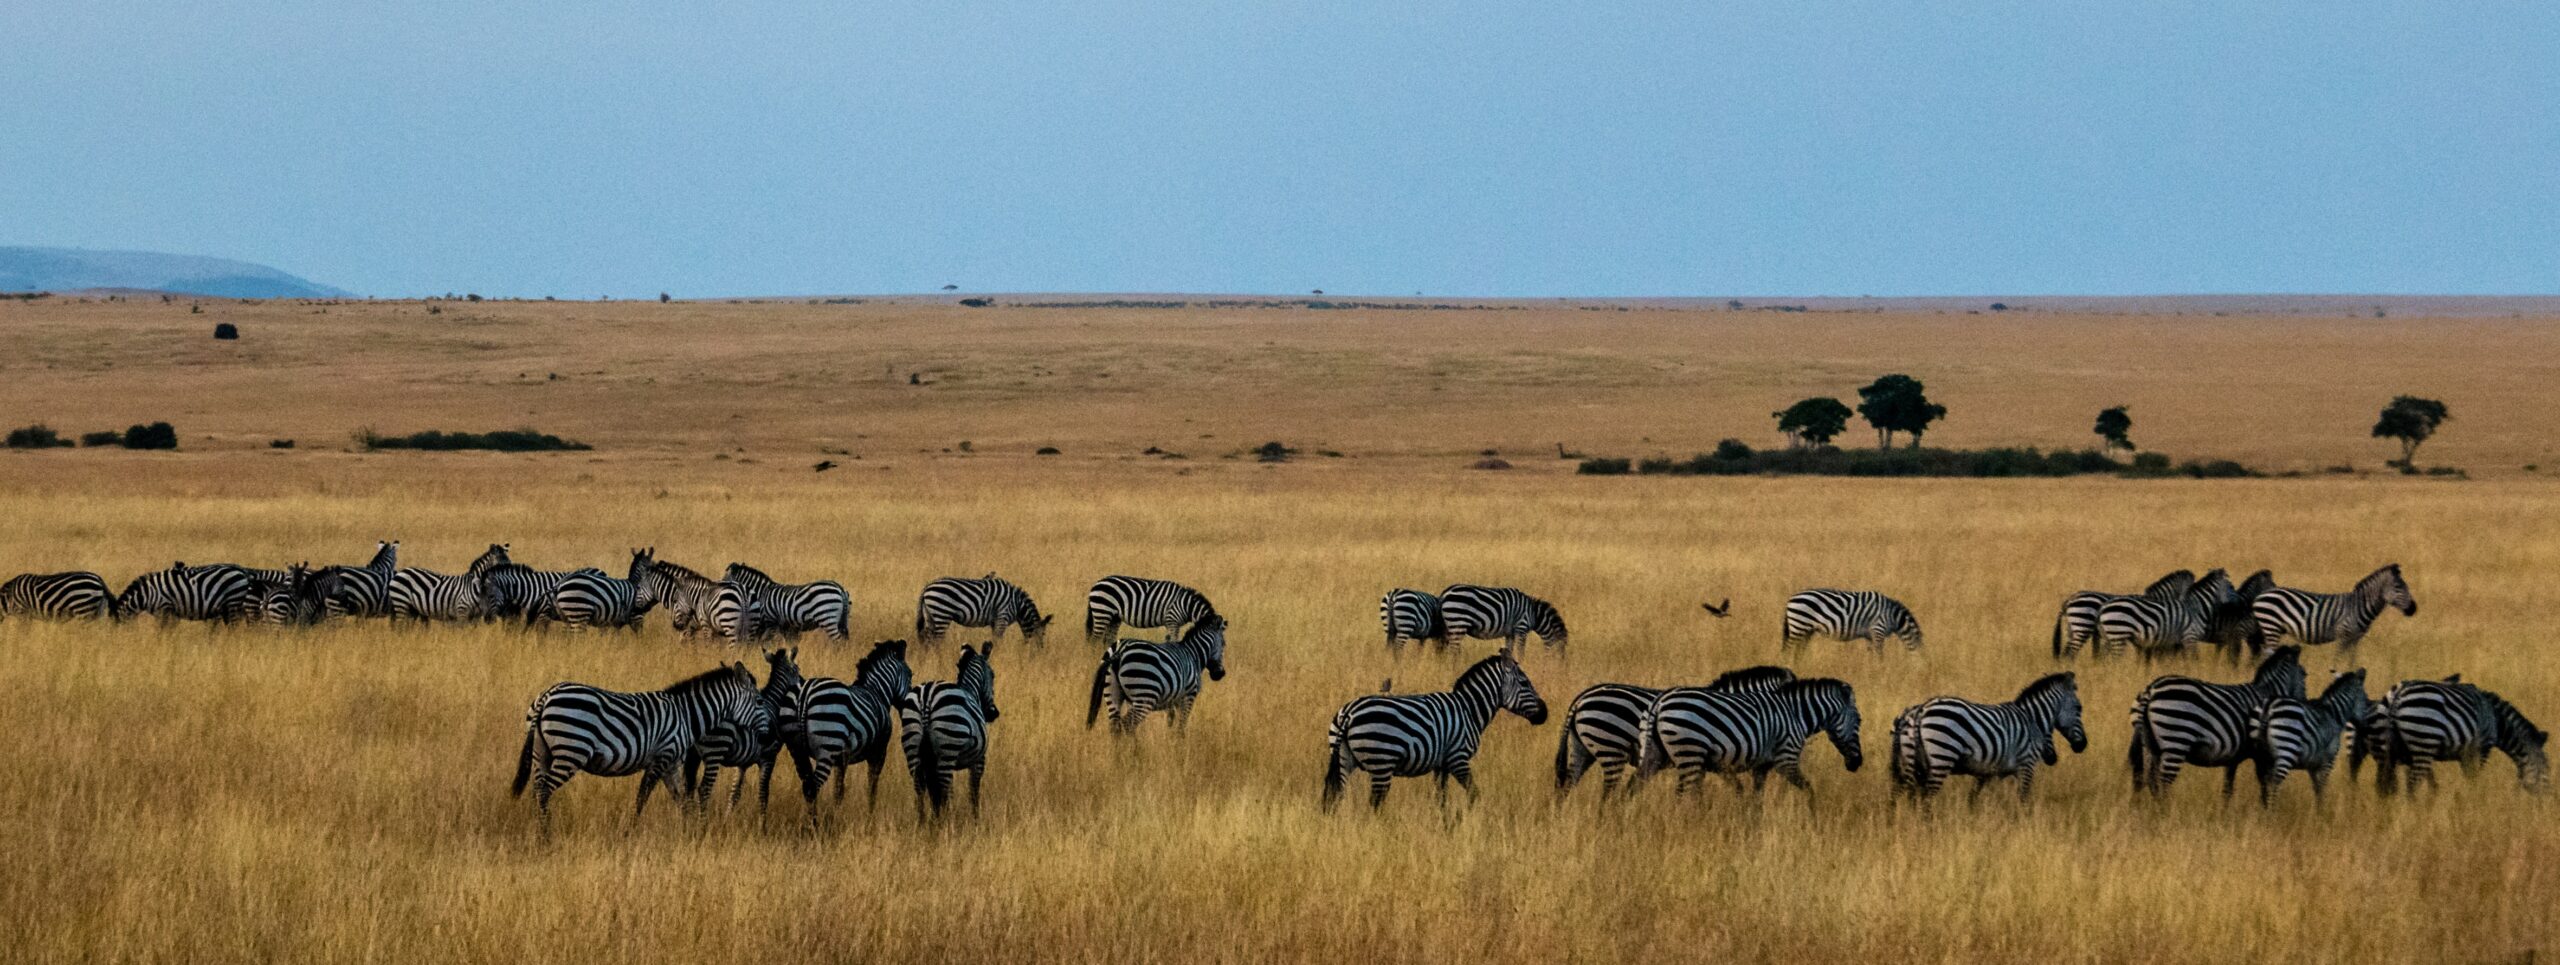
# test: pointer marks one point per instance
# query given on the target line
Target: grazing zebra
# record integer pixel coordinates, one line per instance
(750, 743)
(589, 598)
(983, 602)
(2317, 618)
(832, 725)
(2425, 721)
(1138, 677)
(1697, 731)
(1115, 601)
(1946, 736)
(2181, 720)
(422, 594)
(517, 592)
(2077, 625)
(293, 603)
(573, 727)
(2303, 734)
(685, 595)
(1409, 735)
(56, 596)
(1603, 725)
(1487, 612)
(220, 591)
(943, 727)
(1412, 615)
(2163, 626)
(2229, 625)
(787, 608)
(360, 591)
(1848, 615)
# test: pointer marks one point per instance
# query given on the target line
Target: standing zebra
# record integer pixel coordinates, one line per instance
(589, 598)
(2425, 721)
(943, 727)
(2157, 626)
(685, 595)
(1604, 725)
(75, 595)
(2230, 624)
(515, 591)
(750, 743)
(983, 602)
(573, 727)
(1487, 612)
(1947, 736)
(1409, 735)
(1138, 677)
(293, 603)
(422, 594)
(832, 725)
(787, 608)
(220, 591)
(360, 591)
(2077, 625)
(2181, 720)
(1698, 731)
(1848, 615)
(1412, 615)
(1115, 601)
(2340, 618)
(2303, 734)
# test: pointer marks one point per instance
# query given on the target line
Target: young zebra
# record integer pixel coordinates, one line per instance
(2426, 721)
(1115, 601)
(220, 591)
(832, 725)
(787, 608)
(2316, 618)
(1138, 677)
(2077, 625)
(589, 598)
(1412, 615)
(1697, 731)
(1410, 735)
(2229, 625)
(943, 727)
(2181, 720)
(2303, 735)
(573, 727)
(983, 602)
(750, 743)
(2163, 626)
(1847, 615)
(426, 595)
(360, 591)
(518, 592)
(1946, 736)
(685, 595)
(1603, 725)
(75, 595)
(1488, 612)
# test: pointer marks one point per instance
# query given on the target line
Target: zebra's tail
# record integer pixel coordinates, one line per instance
(2057, 637)
(920, 618)
(524, 757)
(1336, 766)
(931, 776)
(1564, 756)
(1101, 679)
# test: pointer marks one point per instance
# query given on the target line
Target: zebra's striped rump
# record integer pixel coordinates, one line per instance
(2293, 734)
(591, 599)
(943, 727)
(1412, 615)
(77, 595)
(360, 591)
(832, 724)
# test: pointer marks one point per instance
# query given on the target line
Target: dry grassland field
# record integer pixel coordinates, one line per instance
(198, 794)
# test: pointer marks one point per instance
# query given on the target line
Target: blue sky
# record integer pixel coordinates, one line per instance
(580, 149)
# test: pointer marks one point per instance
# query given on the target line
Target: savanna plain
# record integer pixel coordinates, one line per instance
(199, 794)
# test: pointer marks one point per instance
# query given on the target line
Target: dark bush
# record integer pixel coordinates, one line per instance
(509, 440)
(279, 443)
(38, 436)
(1273, 452)
(1492, 462)
(1047, 451)
(226, 331)
(977, 302)
(1731, 449)
(1604, 467)
(2217, 469)
(1738, 460)
(157, 435)
(107, 437)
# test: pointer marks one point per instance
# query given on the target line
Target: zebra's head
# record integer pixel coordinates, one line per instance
(2522, 741)
(1508, 686)
(977, 675)
(1904, 625)
(495, 555)
(2059, 694)
(1835, 710)
(644, 589)
(1209, 638)
(2394, 591)
(782, 668)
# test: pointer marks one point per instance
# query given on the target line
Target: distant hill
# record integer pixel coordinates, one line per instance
(74, 269)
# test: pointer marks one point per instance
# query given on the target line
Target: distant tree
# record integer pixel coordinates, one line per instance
(2113, 426)
(226, 331)
(664, 298)
(157, 435)
(1898, 403)
(2410, 420)
(1813, 422)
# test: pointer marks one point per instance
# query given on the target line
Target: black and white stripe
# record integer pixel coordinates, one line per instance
(1133, 601)
(2303, 734)
(519, 592)
(943, 727)
(1138, 677)
(575, 727)
(2179, 721)
(76, 595)
(685, 595)
(1603, 726)
(983, 602)
(219, 591)
(2230, 625)
(1412, 615)
(589, 598)
(2425, 721)
(2077, 625)
(1490, 612)
(1408, 735)
(423, 594)
(786, 608)
(2283, 613)
(1698, 731)
(1847, 615)
(752, 742)
(295, 602)
(833, 725)
(1945, 736)
(360, 591)
(2157, 626)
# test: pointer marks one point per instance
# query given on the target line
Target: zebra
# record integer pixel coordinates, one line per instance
(1115, 601)
(831, 724)
(2425, 721)
(2156, 626)
(1848, 615)
(518, 592)
(422, 594)
(219, 591)
(685, 595)
(1945, 736)
(1696, 731)
(1409, 735)
(574, 727)
(2317, 618)
(1487, 612)
(589, 598)
(1137, 677)
(749, 743)
(2295, 734)
(1412, 615)
(943, 728)
(2228, 626)
(294, 603)
(77, 595)
(983, 602)
(1603, 725)
(360, 591)
(789, 608)
(2077, 625)
(2181, 720)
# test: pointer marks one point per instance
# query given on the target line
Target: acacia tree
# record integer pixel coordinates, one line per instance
(2114, 425)
(1898, 403)
(1813, 422)
(2410, 420)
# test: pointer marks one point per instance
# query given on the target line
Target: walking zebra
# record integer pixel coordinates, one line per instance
(220, 591)
(1409, 735)
(2425, 721)
(589, 598)
(1847, 615)
(295, 602)
(943, 727)
(1604, 725)
(360, 591)
(519, 592)
(787, 608)
(1412, 615)
(1115, 601)
(75, 595)
(2303, 734)
(422, 594)
(2340, 618)
(2179, 721)
(832, 725)
(1697, 731)
(1487, 612)
(983, 602)
(1945, 736)
(750, 743)
(574, 727)
(1137, 677)
(2230, 624)
(2077, 625)
(2164, 626)
(685, 595)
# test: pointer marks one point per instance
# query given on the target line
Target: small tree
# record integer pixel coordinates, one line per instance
(157, 435)
(2113, 426)
(1813, 422)
(1898, 403)
(2410, 420)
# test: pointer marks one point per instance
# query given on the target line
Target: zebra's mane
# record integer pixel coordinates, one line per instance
(2504, 711)
(711, 678)
(2258, 582)
(680, 573)
(880, 655)
(1808, 685)
(741, 569)
(2372, 582)
(1213, 623)
(1481, 667)
(2045, 683)
(2171, 584)
(2353, 678)
(2277, 661)
(1737, 679)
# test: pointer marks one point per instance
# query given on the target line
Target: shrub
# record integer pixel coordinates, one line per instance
(1273, 452)
(226, 331)
(279, 443)
(509, 440)
(158, 435)
(38, 436)
(107, 437)
(2447, 471)
(1047, 451)
(1603, 467)
(1732, 449)
(2217, 469)
(977, 302)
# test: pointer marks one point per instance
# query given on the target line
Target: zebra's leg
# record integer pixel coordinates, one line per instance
(1126, 724)
(2230, 781)
(2422, 767)
(1759, 781)
(977, 776)
(1378, 789)
(2027, 784)
(1973, 801)
(764, 790)
(1180, 716)
(2319, 774)
(2164, 771)
(649, 782)
(1440, 783)
(1465, 774)
(2386, 773)
(878, 761)
(2270, 775)
(1609, 771)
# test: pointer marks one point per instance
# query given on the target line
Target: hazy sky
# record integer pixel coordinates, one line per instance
(533, 147)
